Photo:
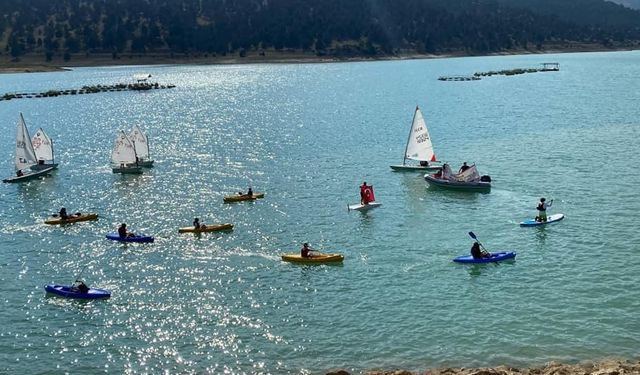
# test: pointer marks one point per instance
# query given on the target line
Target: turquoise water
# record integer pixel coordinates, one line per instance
(308, 135)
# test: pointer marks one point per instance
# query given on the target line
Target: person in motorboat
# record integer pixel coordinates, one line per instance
(463, 168)
(542, 209)
(122, 231)
(477, 252)
(305, 252)
(80, 286)
(63, 214)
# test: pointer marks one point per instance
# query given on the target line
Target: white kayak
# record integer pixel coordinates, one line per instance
(363, 207)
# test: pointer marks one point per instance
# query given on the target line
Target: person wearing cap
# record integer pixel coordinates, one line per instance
(542, 209)
(305, 252)
(63, 214)
(464, 167)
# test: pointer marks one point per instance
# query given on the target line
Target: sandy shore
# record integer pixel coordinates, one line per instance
(33, 64)
(608, 367)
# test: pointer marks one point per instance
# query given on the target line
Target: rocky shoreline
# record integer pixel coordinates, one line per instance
(606, 367)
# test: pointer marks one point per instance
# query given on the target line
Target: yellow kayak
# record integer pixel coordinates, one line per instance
(317, 258)
(206, 228)
(242, 197)
(74, 218)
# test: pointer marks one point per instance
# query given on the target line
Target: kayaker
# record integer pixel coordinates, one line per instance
(542, 209)
(63, 214)
(463, 168)
(196, 223)
(80, 286)
(250, 191)
(477, 252)
(122, 231)
(305, 252)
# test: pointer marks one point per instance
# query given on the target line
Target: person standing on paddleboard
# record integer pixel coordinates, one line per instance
(542, 209)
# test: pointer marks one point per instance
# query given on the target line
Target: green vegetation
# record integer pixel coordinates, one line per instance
(67, 29)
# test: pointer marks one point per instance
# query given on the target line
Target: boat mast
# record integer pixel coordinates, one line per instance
(404, 160)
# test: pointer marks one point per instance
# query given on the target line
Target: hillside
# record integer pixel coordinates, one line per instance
(633, 4)
(79, 29)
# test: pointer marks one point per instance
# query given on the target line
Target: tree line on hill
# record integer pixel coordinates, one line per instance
(337, 28)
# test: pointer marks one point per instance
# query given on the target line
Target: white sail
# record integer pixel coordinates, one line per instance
(419, 146)
(141, 143)
(42, 145)
(25, 155)
(124, 152)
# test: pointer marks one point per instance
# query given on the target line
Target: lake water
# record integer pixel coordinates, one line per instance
(308, 135)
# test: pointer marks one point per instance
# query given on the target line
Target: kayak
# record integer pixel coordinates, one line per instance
(317, 258)
(207, 228)
(71, 219)
(69, 292)
(363, 207)
(495, 257)
(550, 219)
(242, 197)
(136, 238)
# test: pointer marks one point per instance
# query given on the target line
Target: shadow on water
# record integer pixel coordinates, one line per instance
(476, 270)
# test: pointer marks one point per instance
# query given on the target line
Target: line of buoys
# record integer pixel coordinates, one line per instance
(140, 86)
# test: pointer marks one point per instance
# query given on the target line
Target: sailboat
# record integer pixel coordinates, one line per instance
(141, 143)
(43, 146)
(124, 156)
(25, 156)
(419, 147)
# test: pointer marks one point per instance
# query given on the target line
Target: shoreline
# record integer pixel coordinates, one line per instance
(33, 64)
(603, 367)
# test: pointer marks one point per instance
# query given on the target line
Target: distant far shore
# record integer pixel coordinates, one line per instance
(34, 63)
(607, 367)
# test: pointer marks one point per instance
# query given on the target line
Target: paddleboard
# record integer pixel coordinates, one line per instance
(550, 219)
(69, 292)
(363, 207)
(495, 257)
(316, 258)
(207, 228)
(136, 238)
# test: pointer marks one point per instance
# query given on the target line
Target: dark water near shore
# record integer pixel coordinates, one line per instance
(308, 135)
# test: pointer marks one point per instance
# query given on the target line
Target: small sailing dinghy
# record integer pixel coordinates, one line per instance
(419, 147)
(43, 146)
(141, 143)
(469, 180)
(367, 199)
(124, 156)
(25, 156)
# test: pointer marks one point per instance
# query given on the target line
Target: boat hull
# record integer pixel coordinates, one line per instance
(479, 186)
(363, 207)
(315, 259)
(241, 198)
(39, 167)
(72, 219)
(495, 257)
(68, 292)
(127, 170)
(413, 168)
(28, 176)
(550, 219)
(137, 238)
(207, 228)
(146, 163)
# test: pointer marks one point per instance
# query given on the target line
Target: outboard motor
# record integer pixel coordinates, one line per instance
(485, 178)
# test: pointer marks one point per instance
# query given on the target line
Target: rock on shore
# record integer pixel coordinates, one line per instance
(609, 367)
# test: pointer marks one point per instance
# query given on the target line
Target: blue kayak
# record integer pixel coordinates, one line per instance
(550, 219)
(136, 238)
(70, 292)
(495, 257)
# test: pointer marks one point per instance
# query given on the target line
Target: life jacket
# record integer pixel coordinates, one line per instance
(541, 206)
